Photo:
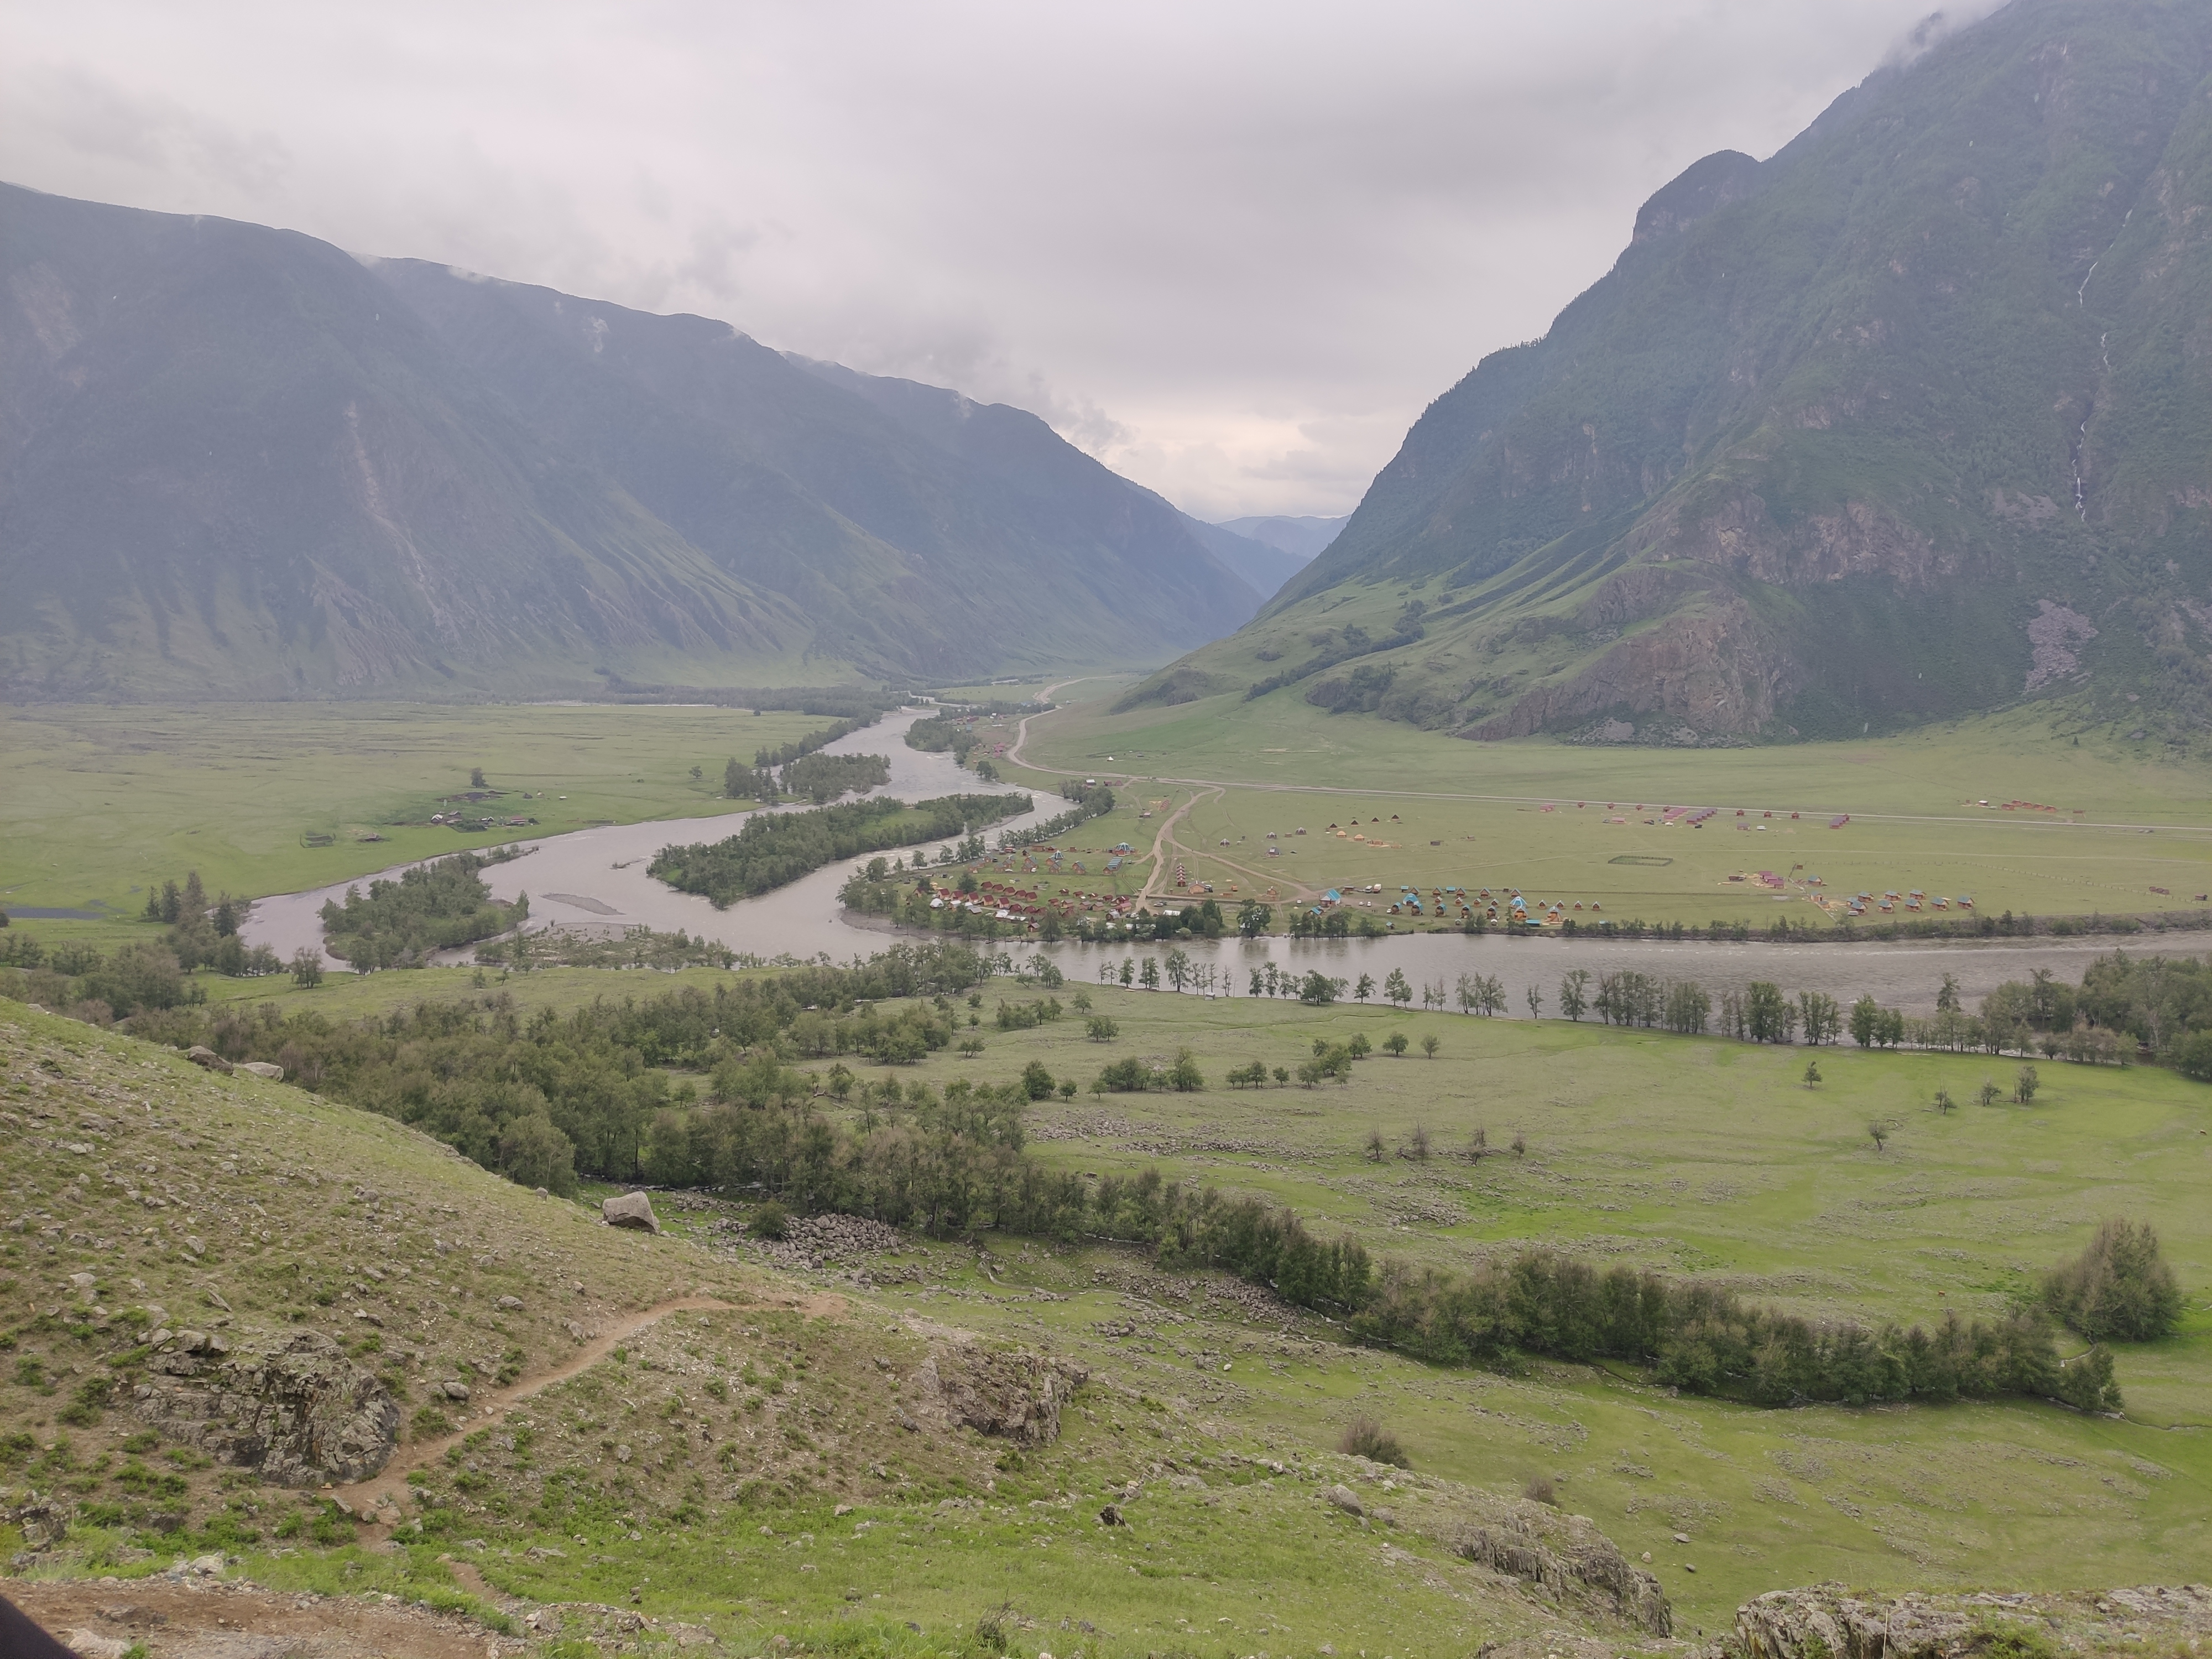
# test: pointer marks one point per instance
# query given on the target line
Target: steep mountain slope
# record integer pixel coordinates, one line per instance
(238, 461)
(1914, 417)
(920, 532)
(228, 461)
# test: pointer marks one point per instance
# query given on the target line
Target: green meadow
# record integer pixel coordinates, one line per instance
(1708, 1156)
(1588, 825)
(271, 798)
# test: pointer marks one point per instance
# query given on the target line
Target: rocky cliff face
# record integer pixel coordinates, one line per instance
(1838, 429)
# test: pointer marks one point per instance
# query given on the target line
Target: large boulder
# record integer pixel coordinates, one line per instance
(631, 1210)
(291, 1405)
(263, 1068)
(201, 1055)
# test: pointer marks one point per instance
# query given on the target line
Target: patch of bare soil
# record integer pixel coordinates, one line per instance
(192, 1619)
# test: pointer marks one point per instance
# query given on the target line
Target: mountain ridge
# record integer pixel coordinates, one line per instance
(240, 461)
(1909, 419)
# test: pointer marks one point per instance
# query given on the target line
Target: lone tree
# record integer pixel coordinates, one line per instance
(1374, 1147)
(1431, 1044)
(1395, 1043)
(1881, 1133)
(1989, 1094)
(1943, 1102)
(1535, 1003)
(1574, 993)
(1811, 1072)
(2025, 1086)
(476, 777)
(306, 967)
(1396, 987)
(2119, 1287)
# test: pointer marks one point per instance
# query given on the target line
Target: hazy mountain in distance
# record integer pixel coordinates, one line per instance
(237, 461)
(1912, 418)
(1304, 538)
(1261, 564)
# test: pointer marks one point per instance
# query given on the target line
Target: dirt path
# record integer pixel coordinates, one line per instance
(390, 1481)
(1021, 731)
(1163, 843)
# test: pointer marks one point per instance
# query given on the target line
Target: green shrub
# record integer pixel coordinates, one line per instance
(2118, 1289)
(1366, 1438)
(771, 1221)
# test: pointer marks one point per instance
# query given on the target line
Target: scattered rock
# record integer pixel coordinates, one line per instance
(1346, 1499)
(291, 1405)
(92, 1645)
(509, 1304)
(454, 1390)
(204, 1057)
(1111, 1517)
(263, 1068)
(83, 1284)
(631, 1210)
(1681, 1538)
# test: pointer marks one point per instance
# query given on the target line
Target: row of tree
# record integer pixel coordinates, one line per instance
(551, 1096)
(1091, 801)
(773, 849)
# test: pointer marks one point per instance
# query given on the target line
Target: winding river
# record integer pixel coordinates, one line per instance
(597, 877)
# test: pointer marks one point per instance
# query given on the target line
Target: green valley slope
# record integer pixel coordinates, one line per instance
(1913, 418)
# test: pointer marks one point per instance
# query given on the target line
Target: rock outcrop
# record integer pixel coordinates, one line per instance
(1011, 1393)
(1829, 1621)
(1567, 1556)
(292, 1406)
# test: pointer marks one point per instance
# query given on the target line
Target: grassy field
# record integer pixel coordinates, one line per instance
(1709, 1157)
(1587, 826)
(1692, 1156)
(102, 801)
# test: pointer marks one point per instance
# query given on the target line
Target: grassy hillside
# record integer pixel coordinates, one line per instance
(713, 1437)
(1893, 425)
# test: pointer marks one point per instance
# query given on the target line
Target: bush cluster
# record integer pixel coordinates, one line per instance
(773, 848)
(432, 907)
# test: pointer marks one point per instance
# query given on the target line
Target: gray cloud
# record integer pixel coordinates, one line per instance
(1232, 248)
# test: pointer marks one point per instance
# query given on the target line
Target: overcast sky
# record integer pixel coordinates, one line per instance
(1230, 249)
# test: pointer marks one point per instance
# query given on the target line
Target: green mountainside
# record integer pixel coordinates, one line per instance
(239, 461)
(1913, 418)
